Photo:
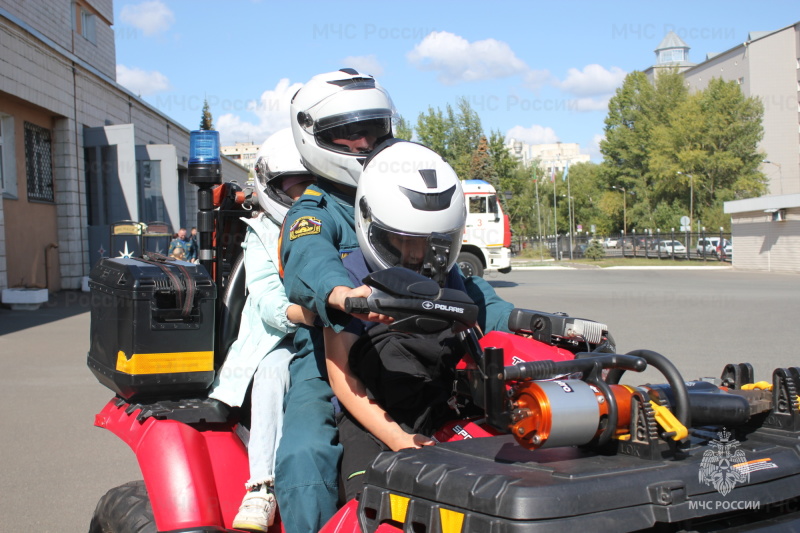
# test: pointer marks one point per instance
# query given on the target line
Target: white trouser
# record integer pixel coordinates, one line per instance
(270, 383)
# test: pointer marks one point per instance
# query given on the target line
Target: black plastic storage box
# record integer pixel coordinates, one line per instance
(152, 327)
(493, 485)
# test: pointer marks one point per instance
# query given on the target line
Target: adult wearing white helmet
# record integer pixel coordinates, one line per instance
(264, 347)
(410, 212)
(337, 118)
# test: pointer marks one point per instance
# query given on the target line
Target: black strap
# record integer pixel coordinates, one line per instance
(186, 289)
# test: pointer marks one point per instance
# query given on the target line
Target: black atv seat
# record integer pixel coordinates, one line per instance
(230, 309)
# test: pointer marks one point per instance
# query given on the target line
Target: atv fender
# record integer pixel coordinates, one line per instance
(195, 475)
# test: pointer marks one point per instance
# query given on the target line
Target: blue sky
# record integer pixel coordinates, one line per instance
(536, 71)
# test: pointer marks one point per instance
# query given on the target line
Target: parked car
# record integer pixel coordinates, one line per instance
(725, 251)
(610, 242)
(671, 247)
(708, 246)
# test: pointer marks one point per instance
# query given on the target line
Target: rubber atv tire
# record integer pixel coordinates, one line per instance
(124, 509)
(470, 265)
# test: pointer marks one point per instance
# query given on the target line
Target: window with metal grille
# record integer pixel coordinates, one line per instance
(38, 163)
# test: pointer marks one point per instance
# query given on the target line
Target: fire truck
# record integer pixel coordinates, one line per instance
(487, 236)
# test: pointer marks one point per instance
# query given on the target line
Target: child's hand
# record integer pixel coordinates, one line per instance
(412, 440)
(339, 294)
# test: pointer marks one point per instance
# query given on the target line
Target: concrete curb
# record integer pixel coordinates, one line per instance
(642, 267)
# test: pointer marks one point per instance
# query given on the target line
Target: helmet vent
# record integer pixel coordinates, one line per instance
(429, 175)
(437, 201)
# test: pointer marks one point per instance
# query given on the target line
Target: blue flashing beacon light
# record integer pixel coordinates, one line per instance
(204, 147)
(204, 158)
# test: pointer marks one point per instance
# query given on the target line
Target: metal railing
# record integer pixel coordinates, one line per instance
(702, 246)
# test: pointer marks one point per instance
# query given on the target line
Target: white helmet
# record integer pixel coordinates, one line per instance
(410, 210)
(345, 104)
(276, 160)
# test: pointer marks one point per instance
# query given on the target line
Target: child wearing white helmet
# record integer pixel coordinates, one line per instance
(263, 349)
(410, 212)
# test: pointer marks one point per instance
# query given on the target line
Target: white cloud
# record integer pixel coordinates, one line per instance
(458, 60)
(589, 104)
(272, 113)
(536, 79)
(592, 80)
(152, 16)
(594, 147)
(534, 135)
(142, 82)
(366, 64)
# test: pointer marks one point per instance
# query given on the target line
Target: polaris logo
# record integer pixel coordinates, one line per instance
(428, 306)
(450, 308)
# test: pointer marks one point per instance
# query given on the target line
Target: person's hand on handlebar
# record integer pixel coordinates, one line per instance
(338, 295)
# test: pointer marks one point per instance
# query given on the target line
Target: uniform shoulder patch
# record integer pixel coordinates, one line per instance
(304, 226)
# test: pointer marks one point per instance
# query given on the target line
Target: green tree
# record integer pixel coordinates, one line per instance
(433, 130)
(206, 121)
(674, 149)
(481, 165)
(402, 129)
(710, 154)
(505, 165)
(453, 135)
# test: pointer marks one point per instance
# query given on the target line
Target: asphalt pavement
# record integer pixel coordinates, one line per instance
(55, 464)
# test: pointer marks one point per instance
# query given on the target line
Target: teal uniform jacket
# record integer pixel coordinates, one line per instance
(316, 234)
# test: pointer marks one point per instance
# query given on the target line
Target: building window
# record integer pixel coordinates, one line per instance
(2, 175)
(151, 198)
(84, 22)
(669, 56)
(38, 163)
(8, 168)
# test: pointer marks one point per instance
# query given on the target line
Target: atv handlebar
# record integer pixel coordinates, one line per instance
(356, 306)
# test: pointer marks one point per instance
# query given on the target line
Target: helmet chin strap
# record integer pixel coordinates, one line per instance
(434, 264)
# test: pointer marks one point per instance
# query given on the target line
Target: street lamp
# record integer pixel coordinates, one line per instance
(780, 173)
(624, 206)
(571, 216)
(691, 200)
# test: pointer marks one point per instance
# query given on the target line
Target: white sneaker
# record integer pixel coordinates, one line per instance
(257, 511)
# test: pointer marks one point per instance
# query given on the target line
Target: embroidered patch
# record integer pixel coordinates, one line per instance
(304, 226)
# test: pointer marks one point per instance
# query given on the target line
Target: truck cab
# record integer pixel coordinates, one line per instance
(486, 245)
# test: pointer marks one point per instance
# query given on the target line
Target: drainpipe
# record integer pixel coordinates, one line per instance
(47, 265)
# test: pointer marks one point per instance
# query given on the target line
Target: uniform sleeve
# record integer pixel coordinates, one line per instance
(192, 250)
(264, 284)
(312, 263)
(493, 311)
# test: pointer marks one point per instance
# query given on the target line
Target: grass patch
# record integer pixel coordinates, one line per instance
(643, 261)
(534, 260)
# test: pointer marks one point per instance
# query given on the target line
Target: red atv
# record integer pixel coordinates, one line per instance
(563, 445)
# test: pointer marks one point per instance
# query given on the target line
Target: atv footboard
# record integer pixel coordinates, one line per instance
(492, 484)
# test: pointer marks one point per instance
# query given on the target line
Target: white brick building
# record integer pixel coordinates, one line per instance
(552, 157)
(77, 151)
(243, 153)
